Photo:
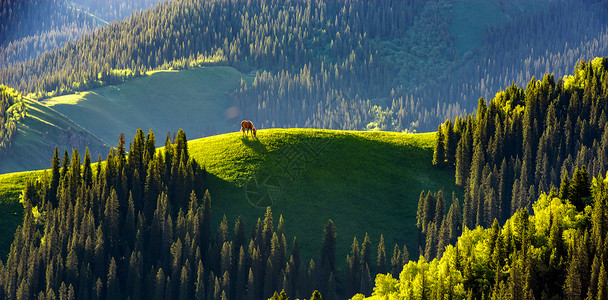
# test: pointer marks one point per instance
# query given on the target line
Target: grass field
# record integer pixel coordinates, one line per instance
(363, 181)
(11, 211)
(165, 101)
(40, 131)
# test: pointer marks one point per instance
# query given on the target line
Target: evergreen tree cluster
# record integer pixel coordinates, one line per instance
(276, 35)
(527, 140)
(12, 110)
(30, 28)
(103, 231)
(339, 64)
(559, 252)
(436, 230)
(361, 269)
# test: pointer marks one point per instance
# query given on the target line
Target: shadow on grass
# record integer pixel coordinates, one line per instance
(255, 144)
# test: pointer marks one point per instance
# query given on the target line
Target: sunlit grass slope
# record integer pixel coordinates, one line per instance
(195, 100)
(39, 132)
(363, 181)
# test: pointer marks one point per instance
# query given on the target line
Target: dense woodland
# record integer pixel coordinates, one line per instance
(527, 140)
(12, 110)
(340, 64)
(557, 252)
(521, 145)
(30, 28)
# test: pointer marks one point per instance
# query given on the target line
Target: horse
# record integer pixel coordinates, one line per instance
(246, 126)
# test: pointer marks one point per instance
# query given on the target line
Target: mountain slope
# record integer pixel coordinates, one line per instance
(196, 100)
(39, 132)
(363, 181)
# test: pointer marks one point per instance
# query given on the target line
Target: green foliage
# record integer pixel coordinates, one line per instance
(12, 111)
(515, 148)
(230, 161)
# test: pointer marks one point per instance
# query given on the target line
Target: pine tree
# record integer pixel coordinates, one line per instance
(463, 158)
(159, 285)
(112, 285)
(267, 232)
(87, 171)
(450, 143)
(328, 248)
(381, 261)
(439, 150)
(55, 177)
(602, 289)
(573, 284)
(353, 263)
(396, 266)
(65, 165)
(366, 251)
(199, 292)
(580, 188)
(439, 207)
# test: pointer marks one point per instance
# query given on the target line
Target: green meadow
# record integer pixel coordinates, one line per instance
(196, 100)
(363, 181)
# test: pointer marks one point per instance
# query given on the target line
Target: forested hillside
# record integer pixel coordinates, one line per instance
(554, 252)
(29, 28)
(523, 144)
(519, 146)
(526, 140)
(398, 65)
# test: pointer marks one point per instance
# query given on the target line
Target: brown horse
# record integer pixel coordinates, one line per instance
(246, 126)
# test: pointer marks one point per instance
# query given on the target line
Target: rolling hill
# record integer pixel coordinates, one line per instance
(196, 100)
(39, 132)
(363, 181)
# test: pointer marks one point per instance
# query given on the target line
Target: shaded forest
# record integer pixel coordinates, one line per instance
(517, 148)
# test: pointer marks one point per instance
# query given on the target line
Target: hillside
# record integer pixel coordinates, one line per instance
(397, 66)
(196, 100)
(424, 63)
(39, 132)
(363, 181)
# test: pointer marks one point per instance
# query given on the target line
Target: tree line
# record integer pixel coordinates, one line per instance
(30, 28)
(506, 166)
(527, 140)
(558, 252)
(12, 110)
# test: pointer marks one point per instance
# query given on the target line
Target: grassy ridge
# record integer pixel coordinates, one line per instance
(39, 132)
(195, 100)
(363, 181)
